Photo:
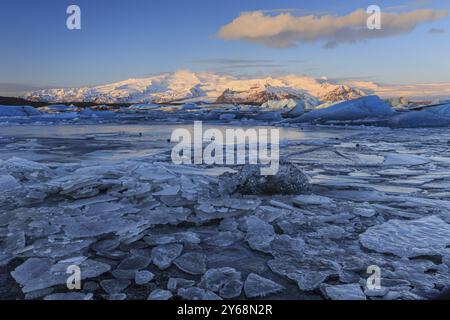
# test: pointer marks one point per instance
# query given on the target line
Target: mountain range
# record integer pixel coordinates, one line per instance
(186, 86)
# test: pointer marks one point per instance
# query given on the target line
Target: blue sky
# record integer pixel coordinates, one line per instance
(139, 38)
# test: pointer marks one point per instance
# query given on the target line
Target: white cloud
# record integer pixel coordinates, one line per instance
(286, 30)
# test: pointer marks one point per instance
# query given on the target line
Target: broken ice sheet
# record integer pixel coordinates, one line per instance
(425, 236)
(308, 274)
(25, 169)
(259, 234)
(225, 281)
(398, 159)
(40, 273)
(59, 248)
(192, 263)
(164, 255)
(343, 292)
(256, 286)
(195, 293)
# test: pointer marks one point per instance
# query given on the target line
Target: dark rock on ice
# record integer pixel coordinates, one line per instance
(288, 180)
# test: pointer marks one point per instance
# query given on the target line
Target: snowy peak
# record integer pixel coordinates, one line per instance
(341, 93)
(207, 87)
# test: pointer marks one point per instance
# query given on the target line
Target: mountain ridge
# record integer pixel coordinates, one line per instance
(186, 86)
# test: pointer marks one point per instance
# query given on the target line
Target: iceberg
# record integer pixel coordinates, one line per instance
(288, 107)
(431, 117)
(58, 108)
(144, 106)
(88, 112)
(18, 111)
(369, 107)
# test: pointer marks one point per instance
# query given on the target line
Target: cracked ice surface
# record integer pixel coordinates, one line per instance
(140, 227)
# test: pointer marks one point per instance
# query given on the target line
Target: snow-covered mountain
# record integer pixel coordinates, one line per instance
(207, 87)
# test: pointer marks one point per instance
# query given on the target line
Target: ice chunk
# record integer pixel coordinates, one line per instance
(134, 262)
(25, 169)
(112, 286)
(217, 280)
(191, 263)
(177, 283)
(308, 274)
(40, 273)
(312, 200)
(259, 234)
(344, 292)
(195, 293)
(286, 245)
(163, 255)
(8, 182)
(258, 287)
(426, 236)
(332, 232)
(224, 239)
(398, 159)
(160, 294)
(69, 296)
(9, 244)
(154, 238)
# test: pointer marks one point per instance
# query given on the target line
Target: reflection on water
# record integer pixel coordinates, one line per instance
(111, 143)
(154, 131)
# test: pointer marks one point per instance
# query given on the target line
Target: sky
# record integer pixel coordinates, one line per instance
(119, 40)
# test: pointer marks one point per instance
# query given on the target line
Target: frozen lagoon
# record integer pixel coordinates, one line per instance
(107, 198)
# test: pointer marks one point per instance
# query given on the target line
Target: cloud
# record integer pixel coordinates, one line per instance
(436, 31)
(232, 61)
(286, 30)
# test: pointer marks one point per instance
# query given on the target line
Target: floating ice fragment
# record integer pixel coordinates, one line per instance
(160, 294)
(163, 255)
(216, 279)
(143, 277)
(426, 236)
(112, 286)
(191, 263)
(256, 286)
(344, 292)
